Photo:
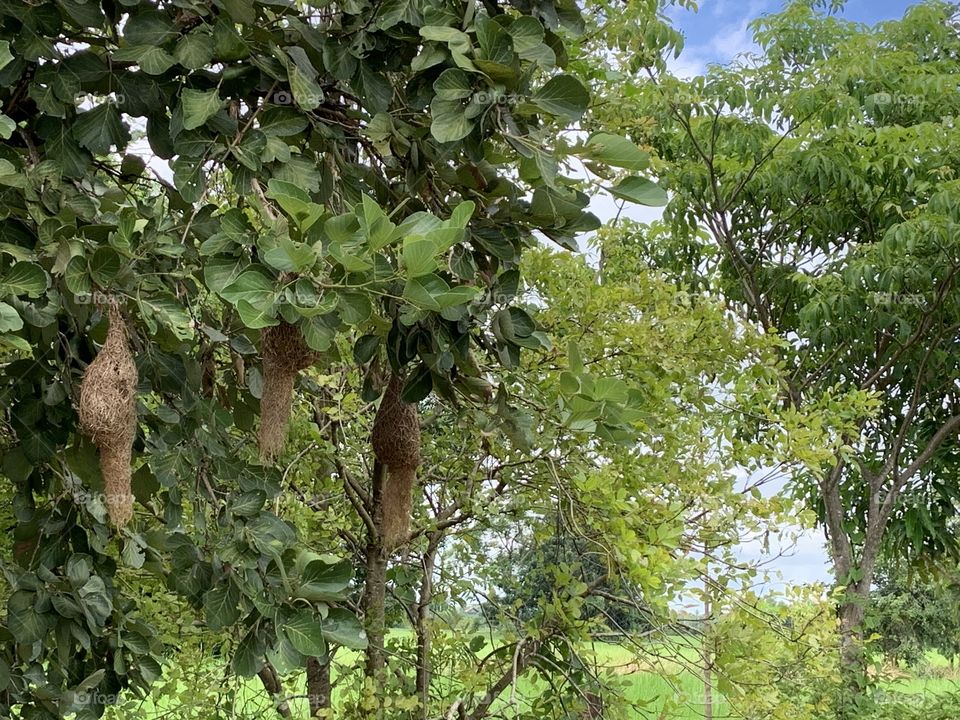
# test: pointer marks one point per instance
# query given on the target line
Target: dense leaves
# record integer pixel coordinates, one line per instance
(215, 168)
(370, 170)
(812, 187)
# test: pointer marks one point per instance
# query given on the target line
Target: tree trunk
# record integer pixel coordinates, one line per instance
(853, 657)
(318, 687)
(271, 683)
(424, 632)
(373, 603)
(851, 612)
(855, 574)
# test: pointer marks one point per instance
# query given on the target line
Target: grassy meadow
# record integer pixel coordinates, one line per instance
(658, 687)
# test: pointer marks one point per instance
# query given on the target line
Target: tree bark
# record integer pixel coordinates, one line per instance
(271, 683)
(424, 632)
(318, 687)
(373, 602)
(855, 572)
(707, 662)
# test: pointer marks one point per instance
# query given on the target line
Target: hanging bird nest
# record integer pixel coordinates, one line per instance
(396, 443)
(285, 353)
(108, 415)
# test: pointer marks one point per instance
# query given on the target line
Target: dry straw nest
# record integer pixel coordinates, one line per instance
(396, 443)
(108, 415)
(285, 353)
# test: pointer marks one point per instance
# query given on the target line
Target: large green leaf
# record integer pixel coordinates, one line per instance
(252, 286)
(419, 255)
(6, 57)
(100, 129)
(24, 278)
(290, 256)
(379, 229)
(317, 333)
(303, 79)
(453, 84)
(149, 28)
(221, 605)
(641, 191)
(249, 655)
(199, 106)
(189, 178)
(9, 318)
(324, 582)
(24, 622)
(426, 291)
(257, 316)
(104, 266)
(616, 151)
(564, 96)
(219, 273)
(449, 122)
(194, 51)
(305, 633)
(342, 627)
(295, 202)
(282, 122)
(353, 307)
(155, 61)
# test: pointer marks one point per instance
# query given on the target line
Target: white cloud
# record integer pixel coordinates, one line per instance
(721, 45)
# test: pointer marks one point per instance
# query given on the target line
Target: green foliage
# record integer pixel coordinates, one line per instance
(913, 613)
(361, 172)
(529, 579)
(778, 656)
(815, 193)
(825, 184)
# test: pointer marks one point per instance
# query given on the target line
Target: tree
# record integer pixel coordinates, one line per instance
(367, 173)
(914, 612)
(528, 577)
(632, 495)
(628, 482)
(812, 187)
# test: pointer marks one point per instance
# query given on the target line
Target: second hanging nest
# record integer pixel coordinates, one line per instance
(396, 443)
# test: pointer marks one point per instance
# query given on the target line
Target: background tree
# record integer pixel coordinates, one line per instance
(528, 580)
(915, 612)
(814, 191)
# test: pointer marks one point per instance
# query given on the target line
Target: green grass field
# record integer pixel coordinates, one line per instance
(660, 689)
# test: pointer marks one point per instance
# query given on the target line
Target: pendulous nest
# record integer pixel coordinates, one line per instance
(108, 415)
(396, 443)
(285, 353)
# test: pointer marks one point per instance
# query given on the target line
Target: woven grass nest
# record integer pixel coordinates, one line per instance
(396, 443)
(285, 353)
(108, 415)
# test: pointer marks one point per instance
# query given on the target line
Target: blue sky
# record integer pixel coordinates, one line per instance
(719, 30)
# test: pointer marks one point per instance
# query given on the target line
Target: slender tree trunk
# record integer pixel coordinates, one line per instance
(851, 613)
(271, 683)
(855, 572)
(424, 632)
(373, 603)
(850, 609)
(318, 687)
